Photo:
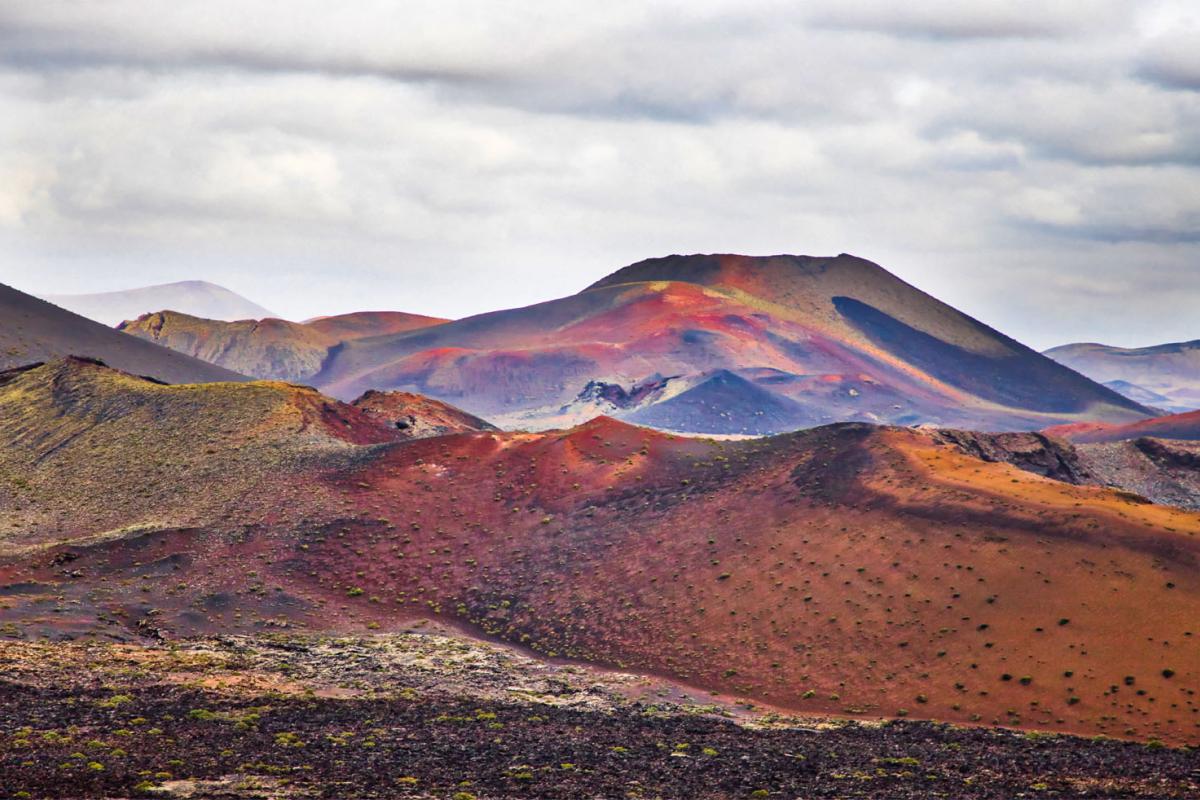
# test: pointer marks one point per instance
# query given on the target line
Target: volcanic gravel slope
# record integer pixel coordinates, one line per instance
(853, 570)
(32, 330)
(723, 402)
(427, 716)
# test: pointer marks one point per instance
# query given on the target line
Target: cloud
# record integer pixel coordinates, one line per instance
(956, 20)
(1119, 122)
(457, 156)
(1173, 61)
(612, 60)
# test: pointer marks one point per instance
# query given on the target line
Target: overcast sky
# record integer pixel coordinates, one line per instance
(1037, 164)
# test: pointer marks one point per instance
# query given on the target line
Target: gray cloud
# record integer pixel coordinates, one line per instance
(1061, 120)
(978, 20)
(452, 157)
(1173, 60)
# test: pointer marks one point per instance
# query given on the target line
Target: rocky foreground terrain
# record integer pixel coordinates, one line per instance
(1163, 471)
(431, 715)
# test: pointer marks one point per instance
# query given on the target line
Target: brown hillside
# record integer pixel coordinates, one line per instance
(272, 349)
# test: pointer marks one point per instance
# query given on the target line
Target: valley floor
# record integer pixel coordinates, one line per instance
(436, 716)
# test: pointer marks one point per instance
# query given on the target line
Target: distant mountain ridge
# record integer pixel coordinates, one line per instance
(1169, 371)
(1140, 394)
(198, 298)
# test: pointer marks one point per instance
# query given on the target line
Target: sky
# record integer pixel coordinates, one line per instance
(1036, 164)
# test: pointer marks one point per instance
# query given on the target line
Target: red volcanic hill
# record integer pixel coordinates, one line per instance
(33, 330)
(415, 416)
(848, 569)
(273, 349)
(1175, 426)
(840, 338)
(803, 340)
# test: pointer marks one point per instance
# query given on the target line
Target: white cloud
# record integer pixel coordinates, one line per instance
(453, 157)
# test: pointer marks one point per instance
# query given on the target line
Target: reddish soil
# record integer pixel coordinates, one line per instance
(850, 569)
(1175, 426)
(415, 416)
